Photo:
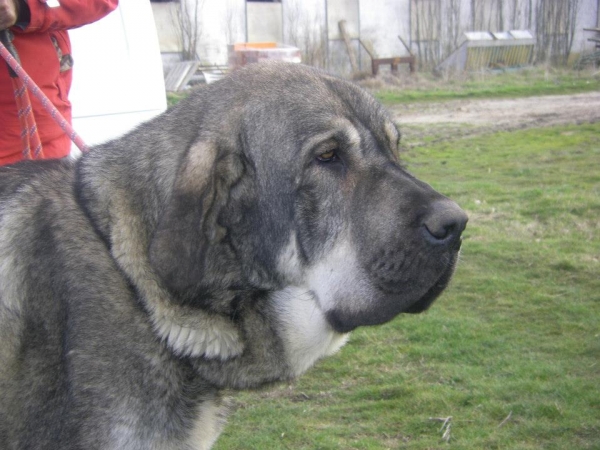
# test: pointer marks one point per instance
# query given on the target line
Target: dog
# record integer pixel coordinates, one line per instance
(227, 244)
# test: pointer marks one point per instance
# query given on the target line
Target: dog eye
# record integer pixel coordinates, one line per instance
(329, 156)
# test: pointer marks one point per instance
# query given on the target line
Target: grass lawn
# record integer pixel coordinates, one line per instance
(424, 87)
(510, 353)
(528, 82)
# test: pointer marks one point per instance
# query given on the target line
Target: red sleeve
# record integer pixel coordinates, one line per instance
(70, 13)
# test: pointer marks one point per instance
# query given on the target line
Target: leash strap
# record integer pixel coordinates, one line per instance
(22, 83)
(30, 139)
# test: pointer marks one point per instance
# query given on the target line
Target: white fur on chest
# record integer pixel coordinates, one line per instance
(209, 423)
(306, 334)
(209, 420)
(307, 337)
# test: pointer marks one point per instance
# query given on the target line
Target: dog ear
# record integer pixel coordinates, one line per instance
(187, 250)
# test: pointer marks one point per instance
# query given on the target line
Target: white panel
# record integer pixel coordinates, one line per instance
(117, 72)
(347, 10)
(382, 21)
(264, 22)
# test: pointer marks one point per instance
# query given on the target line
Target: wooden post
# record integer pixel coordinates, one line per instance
(405, 46)
(351, 54)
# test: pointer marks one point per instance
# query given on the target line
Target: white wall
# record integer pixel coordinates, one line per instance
(305, 22)
(222, 23)
(381, 23)
(165, 20)
(117, 76)
(588, 18)
(304, 26)
(264, 22)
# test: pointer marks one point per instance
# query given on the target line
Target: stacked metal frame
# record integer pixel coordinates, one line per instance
(482, 50)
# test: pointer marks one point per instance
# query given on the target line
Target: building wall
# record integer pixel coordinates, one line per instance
(589, 17)
(165, 20)
(381, 24)
(312, 25)
(222, 24)
(219, 23)
(264, 22)
(304, 26)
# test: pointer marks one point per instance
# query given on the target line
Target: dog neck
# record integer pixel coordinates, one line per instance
(117, 214)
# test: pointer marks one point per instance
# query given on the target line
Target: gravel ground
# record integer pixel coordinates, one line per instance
(460, 118)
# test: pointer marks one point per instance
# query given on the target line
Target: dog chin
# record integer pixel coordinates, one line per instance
(434, 292)
(385, 306)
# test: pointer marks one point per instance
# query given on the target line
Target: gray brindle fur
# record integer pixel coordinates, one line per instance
(229, 243)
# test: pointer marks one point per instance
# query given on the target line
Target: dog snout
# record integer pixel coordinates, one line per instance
(444, 223)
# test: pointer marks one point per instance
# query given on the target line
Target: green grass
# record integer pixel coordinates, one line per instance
(424, 87)
(175, 97)
(517, 334)
(528, 82)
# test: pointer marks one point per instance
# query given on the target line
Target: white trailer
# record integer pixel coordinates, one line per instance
(117, 76)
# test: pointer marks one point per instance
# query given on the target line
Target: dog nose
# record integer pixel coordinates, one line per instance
(444, 222)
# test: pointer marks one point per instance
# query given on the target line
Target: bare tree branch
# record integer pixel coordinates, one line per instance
(188, 25)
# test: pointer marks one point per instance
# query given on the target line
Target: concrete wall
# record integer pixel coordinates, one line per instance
(220, 23)
(347, 10)
(312, 25)
(589, 15)
(265, 22)
(381, 24)
(304, 26)
(165, 19)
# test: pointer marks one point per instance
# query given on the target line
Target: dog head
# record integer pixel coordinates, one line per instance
(293, 179)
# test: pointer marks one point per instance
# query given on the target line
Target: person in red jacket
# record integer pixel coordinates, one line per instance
(42, 42)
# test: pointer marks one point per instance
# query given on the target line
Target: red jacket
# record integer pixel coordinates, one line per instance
(40, 46)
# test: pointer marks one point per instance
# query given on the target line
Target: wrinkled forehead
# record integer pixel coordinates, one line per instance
(352, 111)
(329, 96)
(303, 103)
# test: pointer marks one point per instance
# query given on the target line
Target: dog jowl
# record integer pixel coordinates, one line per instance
(227, 244)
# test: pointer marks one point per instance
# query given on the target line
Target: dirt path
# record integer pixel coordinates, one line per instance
(469, 117)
